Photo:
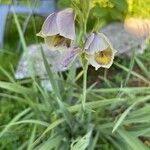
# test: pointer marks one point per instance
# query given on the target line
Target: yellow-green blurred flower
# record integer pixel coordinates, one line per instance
(102, 3)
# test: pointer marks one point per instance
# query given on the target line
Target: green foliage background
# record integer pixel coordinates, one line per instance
(118, 99)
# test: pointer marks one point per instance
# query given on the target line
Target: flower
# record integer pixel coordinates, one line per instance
(58, 30)
(99, 50)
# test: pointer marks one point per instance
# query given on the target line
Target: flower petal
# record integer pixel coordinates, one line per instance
(51, 42)
(89, 40)
(99, 43)
(65, 23)
(70, 56)
(49, 26)
(105, 58)
(91, 60)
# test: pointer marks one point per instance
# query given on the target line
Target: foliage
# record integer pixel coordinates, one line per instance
(103, 10)
(139, 8)
(36, 120)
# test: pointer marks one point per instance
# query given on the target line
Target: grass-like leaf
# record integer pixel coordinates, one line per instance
(132, 141)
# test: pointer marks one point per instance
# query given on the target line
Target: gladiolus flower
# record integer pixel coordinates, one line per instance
(58, 30)
(99, 50)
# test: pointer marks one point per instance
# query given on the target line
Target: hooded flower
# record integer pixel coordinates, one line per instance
(99, 50)
(58, 30)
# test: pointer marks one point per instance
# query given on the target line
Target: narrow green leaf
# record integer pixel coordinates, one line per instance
(7, 74)
(126, 112)
(92, 145)
(122, 117)
(142, 67)
(64, 111)
(51, 76)
(50, 144)
(15, 88)
(31, 121)
(132, 141)
(19, 31)
(130, 68)
(67, 115)
(133, 73)
(33, 134)
(21, 114)
(81, 143)
(50, 127)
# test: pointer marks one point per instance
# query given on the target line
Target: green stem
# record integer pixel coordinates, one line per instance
(85, 68)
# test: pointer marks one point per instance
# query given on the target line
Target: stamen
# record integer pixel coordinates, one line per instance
(103, 57)
(58, 40)
(68, 43)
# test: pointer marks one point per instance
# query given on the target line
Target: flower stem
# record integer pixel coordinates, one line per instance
(85, 68)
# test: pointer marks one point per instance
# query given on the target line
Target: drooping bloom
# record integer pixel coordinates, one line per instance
(99, 50)
(58, 30)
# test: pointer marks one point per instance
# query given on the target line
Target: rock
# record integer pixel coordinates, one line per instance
(123, 41)
(138, 26)
(31, 62)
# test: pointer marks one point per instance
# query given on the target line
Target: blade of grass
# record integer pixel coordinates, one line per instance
(15, 88)
(51, 76)
(122, 117)
(67, 115)
(31, 121)
(133, 73)
(71, 81)
(130, 68)
(142, 67)
(117, 143)
(7, 74)
(127, 90)
(79, 75)
(92, 145)
(132, 141)
(31, 140)
(17, 117)
(96, 104)
(49, 128)
(22, 39)
(45, 96)
(51, 143)
(81, 143)
(23, 146)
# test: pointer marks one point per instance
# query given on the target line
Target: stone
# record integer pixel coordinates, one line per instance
(31, 62)
(123, 41)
